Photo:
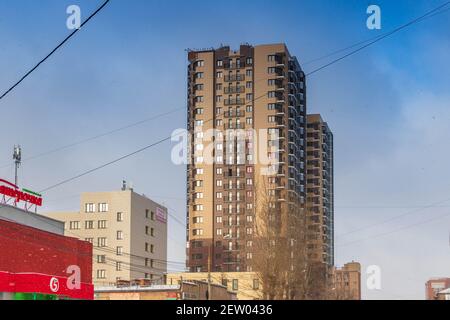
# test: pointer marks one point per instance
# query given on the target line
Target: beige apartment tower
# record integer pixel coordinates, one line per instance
(320, 192)
(128, 232)
(252, 90)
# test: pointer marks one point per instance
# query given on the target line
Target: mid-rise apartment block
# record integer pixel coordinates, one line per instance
(253, 90)
(347, 282)
(434, 286)
(320, 191)
(128, 232)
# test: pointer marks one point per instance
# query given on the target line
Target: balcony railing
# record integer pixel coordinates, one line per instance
(229, 102)
(234, 77)
(235, 89)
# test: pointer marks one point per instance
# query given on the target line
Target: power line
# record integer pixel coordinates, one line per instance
(393, 231)
(333, 53)
(95, 137)
(380, 38)
(394, 218)
(54, 50)
(105, 249)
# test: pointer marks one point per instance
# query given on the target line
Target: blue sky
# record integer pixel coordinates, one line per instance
(388, 108)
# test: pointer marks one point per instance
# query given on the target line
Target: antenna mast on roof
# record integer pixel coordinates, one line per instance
(17, 157)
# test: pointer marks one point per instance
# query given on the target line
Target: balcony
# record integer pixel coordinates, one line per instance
(234, 77)
(234, 65)
(230, 102)
(234, 89)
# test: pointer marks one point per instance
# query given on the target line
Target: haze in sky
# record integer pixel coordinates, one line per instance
(388, 107)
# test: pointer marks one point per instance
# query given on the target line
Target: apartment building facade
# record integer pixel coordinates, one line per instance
(347, 282)
(128, 232)
(259, 93)
(320, 192)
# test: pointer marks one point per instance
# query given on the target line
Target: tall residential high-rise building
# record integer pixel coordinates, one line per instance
(319, 189)
(128, 232)
(255, 90)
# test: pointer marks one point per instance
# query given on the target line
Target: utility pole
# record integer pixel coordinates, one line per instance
(17, 157)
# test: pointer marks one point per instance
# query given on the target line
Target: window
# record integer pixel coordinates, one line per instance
(199, 99)
(235, 286)
(218, 195)
(219, 207)
(198, 207)
(198, 87)
(102, 224)
(249, 61)
(219, 171)
(249, 121)
(271, 82)
(249, 84)
(198, 195)
(119, 216)
(249, 97)
(119, 251)
(101, 242)
(249, 73)
(271, 57)
(89, 225)
(101, 274)
(219, 232)
(198, 183)
(89, 207)
(219, 63)
(198, 220)
(90, 240)
(119, 235)
(199, 75)
(118, 266)
(255, 284)
(197, 232)
(101, 259)
(200, 63)
(271, 119)
(152, 232)
(74, 225)
(249, 256)
(198, 111)
(102, 207)
(219, 183)
(219, 74)
(219, 219)
(249, 231)
(218, 98)
(271, 70)
(198, 171)
(218, 86)
(249, 109)
(271, 94)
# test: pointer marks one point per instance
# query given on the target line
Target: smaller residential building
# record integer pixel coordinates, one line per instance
(186, 290)
(444, 295)
(347, 282)
(434, 286)
(128, 232)
(246, 285)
